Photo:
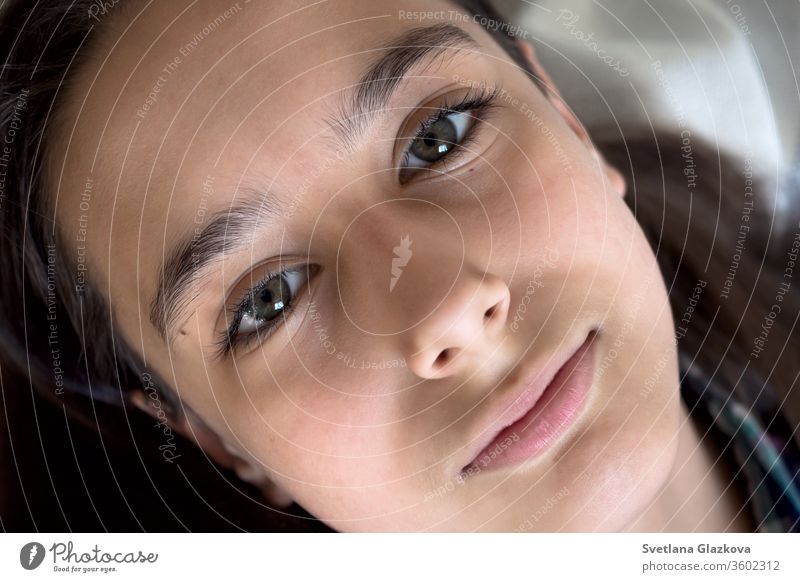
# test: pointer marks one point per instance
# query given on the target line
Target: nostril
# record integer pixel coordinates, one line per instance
(444, 358)
(490, 312)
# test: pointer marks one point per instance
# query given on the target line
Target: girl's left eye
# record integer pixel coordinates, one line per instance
(437, 140)
(445, 132)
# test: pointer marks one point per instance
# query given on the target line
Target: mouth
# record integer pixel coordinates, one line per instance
(545, 403)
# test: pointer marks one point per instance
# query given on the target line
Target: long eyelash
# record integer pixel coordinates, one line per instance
(479, 101)
(228, 339)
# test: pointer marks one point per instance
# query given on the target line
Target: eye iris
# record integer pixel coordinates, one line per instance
(273, 298)
(436, 142)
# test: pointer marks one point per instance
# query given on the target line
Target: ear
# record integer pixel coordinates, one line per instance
(554, 97)
(192, 427)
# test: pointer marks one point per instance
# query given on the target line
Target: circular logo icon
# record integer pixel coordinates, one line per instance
(31, 555)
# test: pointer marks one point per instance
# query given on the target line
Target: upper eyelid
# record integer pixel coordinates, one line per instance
(223, 342)
(272, 267)
(441, 114)
(233, 310)
(483, 103)
(246, 301)
(487, 93)
(247, 296)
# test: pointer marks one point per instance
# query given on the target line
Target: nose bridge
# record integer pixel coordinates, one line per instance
(407, 248)
(417, 281)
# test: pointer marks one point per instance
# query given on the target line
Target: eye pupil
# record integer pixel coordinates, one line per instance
(272, 299)
(436, 142)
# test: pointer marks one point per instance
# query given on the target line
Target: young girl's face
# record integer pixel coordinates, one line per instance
(355, 310)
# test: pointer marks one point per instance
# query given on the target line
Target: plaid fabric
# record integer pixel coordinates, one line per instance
(759, 441)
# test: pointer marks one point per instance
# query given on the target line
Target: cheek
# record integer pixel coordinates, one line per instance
(603, 269)
(320, 414)
(337, 455)
(560, 192)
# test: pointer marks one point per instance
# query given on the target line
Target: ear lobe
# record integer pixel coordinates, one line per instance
(192, 427)
(253, 473)
(616, 178)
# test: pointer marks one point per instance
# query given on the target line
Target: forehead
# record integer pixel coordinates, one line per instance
(184, 98)
(196, 71)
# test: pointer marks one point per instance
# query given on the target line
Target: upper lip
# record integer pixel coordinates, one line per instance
(524, 389)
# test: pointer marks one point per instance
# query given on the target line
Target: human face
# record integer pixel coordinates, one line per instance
(418, 287)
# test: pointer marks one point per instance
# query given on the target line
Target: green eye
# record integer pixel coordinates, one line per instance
(270, 299)
(438, 139)
(264, 307)
(445, 132)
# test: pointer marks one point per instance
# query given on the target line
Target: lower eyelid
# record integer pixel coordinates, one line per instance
(472, 101)
(263, 333)
(472, 135)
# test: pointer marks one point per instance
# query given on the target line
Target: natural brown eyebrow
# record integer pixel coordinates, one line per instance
(232, 228)
(375, 87)
(225, 232)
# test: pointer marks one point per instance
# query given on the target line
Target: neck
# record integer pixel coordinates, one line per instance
(699, 496)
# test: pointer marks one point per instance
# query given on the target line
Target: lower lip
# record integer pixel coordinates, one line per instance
(552, 414)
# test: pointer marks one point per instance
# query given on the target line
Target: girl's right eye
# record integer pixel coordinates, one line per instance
(265, 306)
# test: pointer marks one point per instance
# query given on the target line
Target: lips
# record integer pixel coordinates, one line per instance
(545, 402)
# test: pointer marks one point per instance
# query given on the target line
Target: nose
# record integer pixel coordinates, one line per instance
(462, 329)
(421, 286)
